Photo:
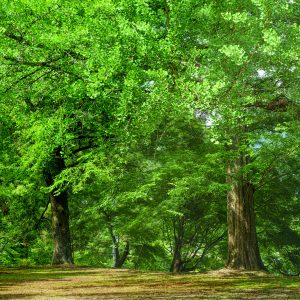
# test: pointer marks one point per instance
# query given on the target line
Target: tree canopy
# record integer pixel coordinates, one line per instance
(130, 129)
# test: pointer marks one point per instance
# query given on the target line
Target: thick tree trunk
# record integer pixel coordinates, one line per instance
(243, 251)
(62, 253)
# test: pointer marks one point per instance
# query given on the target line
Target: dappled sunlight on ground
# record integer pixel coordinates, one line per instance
(93, 283)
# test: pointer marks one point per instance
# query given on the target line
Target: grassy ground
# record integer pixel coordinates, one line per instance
(92, 283)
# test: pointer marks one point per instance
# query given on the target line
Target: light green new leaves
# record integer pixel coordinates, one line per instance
(240, 17)
(272, 40)
(235, 53)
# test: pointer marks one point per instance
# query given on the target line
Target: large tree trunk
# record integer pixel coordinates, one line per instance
(243, 251)
(62, 253)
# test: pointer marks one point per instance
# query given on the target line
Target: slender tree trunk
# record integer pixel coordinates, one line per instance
(177, 263)
(243, 251)
(124, 256)
(62, 253)
(118, 260)
(115, 249)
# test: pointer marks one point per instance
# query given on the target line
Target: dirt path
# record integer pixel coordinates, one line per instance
(92, 283)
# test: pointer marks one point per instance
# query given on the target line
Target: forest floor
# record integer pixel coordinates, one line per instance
(93, 283)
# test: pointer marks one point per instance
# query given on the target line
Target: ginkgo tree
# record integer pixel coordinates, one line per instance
(222, 48)
(85, 83)
(73, 76)
(50, 79)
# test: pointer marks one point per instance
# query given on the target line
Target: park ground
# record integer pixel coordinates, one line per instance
(95, 283)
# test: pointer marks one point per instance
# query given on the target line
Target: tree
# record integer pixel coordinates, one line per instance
(187, 183)
(53, 94)
(74, 87)
(278, 213)
(218, 51)
(85, 84)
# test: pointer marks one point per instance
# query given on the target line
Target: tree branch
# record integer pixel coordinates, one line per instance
(37, 224)
(46, 64)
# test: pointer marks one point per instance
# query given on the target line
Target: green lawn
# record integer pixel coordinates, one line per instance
(93, 283)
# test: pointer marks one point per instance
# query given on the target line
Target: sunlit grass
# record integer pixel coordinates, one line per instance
(75, 283)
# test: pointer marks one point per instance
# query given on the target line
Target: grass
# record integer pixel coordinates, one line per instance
(93, 283)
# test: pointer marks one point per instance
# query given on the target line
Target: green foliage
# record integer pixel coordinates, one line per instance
(278, 218)
(145, 102)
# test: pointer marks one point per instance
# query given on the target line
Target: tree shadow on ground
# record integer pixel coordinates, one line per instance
(91, 283)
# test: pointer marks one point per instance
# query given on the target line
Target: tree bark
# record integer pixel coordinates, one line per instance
(62, 253)
(243, 251)
(122, 259)
(115, 251)
(177, 263)
(118, 260)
